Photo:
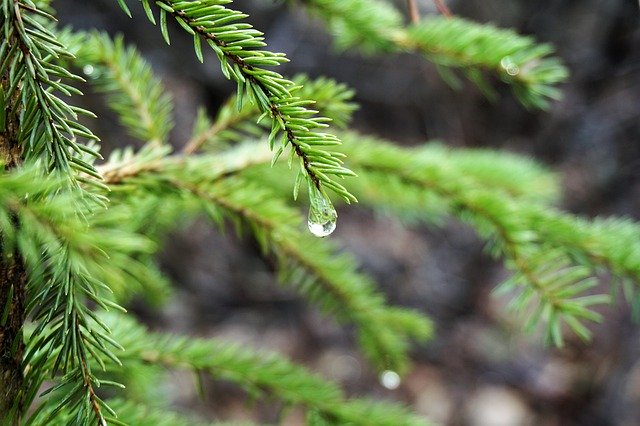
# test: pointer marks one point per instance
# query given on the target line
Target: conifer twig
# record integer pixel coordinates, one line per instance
(196, 142)
(414, 13)
(237, 46)
(442, 8)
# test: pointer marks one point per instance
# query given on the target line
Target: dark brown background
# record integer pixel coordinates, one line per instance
(478, 370)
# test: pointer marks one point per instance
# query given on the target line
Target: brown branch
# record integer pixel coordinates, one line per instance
(12, 275)
(93, 398)
(511, 247)
(414, 13)
(442, 8)
(195, 143)
(12, 314)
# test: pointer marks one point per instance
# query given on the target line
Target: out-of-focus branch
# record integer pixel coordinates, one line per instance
(414, 13)
(442, 8)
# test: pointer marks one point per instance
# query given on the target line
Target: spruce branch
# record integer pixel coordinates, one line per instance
(131, 412)
(517, 60)
(549, 281)
(67, 274)
(127, 165)
(414, 13)
(602, 243)
(508, 200)
(49, 129)
(54, 299)
(369, 25)
(236, 120)
(442, 8)
(237, 46)
(133, 92)
(510, 175)
(553, 286)
(328, 280)
(486, 173)
(260, 374)
(451, 43)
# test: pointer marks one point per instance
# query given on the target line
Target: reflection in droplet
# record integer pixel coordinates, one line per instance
(390, 379)
(322, 214)
(92, 72)
(509, 66)
(88, 69)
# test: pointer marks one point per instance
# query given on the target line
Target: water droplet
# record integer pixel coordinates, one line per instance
(88, 69)
(390, 379)
(509, 66)
(322, 214)
(91, 71)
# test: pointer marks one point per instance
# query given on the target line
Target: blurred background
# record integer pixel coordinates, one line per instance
(479, 369)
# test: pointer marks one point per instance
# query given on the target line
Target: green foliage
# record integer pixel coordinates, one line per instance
(138, 97)
(309, 264)
(546, 250)
(370, 25)
(82, 260)
(65, 261)
(451, 43)
(261, 375)
(49, 128)
(238, 47)
(236, 119)
(516, 60)
(554, 269)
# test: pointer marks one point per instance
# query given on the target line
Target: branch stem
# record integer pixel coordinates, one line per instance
(442, 8)
(414, 13)
(245, 70)
(12, 273)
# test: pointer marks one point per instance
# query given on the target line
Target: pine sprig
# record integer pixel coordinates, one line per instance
(134, 93)
(130, 413)
(517, 60)
(553, 287)
(57, 291)
(369, 25)
(67, 272)
(514, 176)
(310, 265)
(238, 47)
(260, 374)
(548, 282)
(510, 175)
(32, 83)
(483, 188)
(601, 244)
(555, 257)
(449, 42)
(236, 122)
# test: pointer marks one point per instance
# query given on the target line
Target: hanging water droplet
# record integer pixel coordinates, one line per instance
(322, 214)
(91, 71)
(88, 69)
(509, 66)
(390, 379)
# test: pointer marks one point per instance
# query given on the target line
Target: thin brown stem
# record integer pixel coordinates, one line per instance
(93, 398)
(194, 144)
(442, 8)
(414, 13)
